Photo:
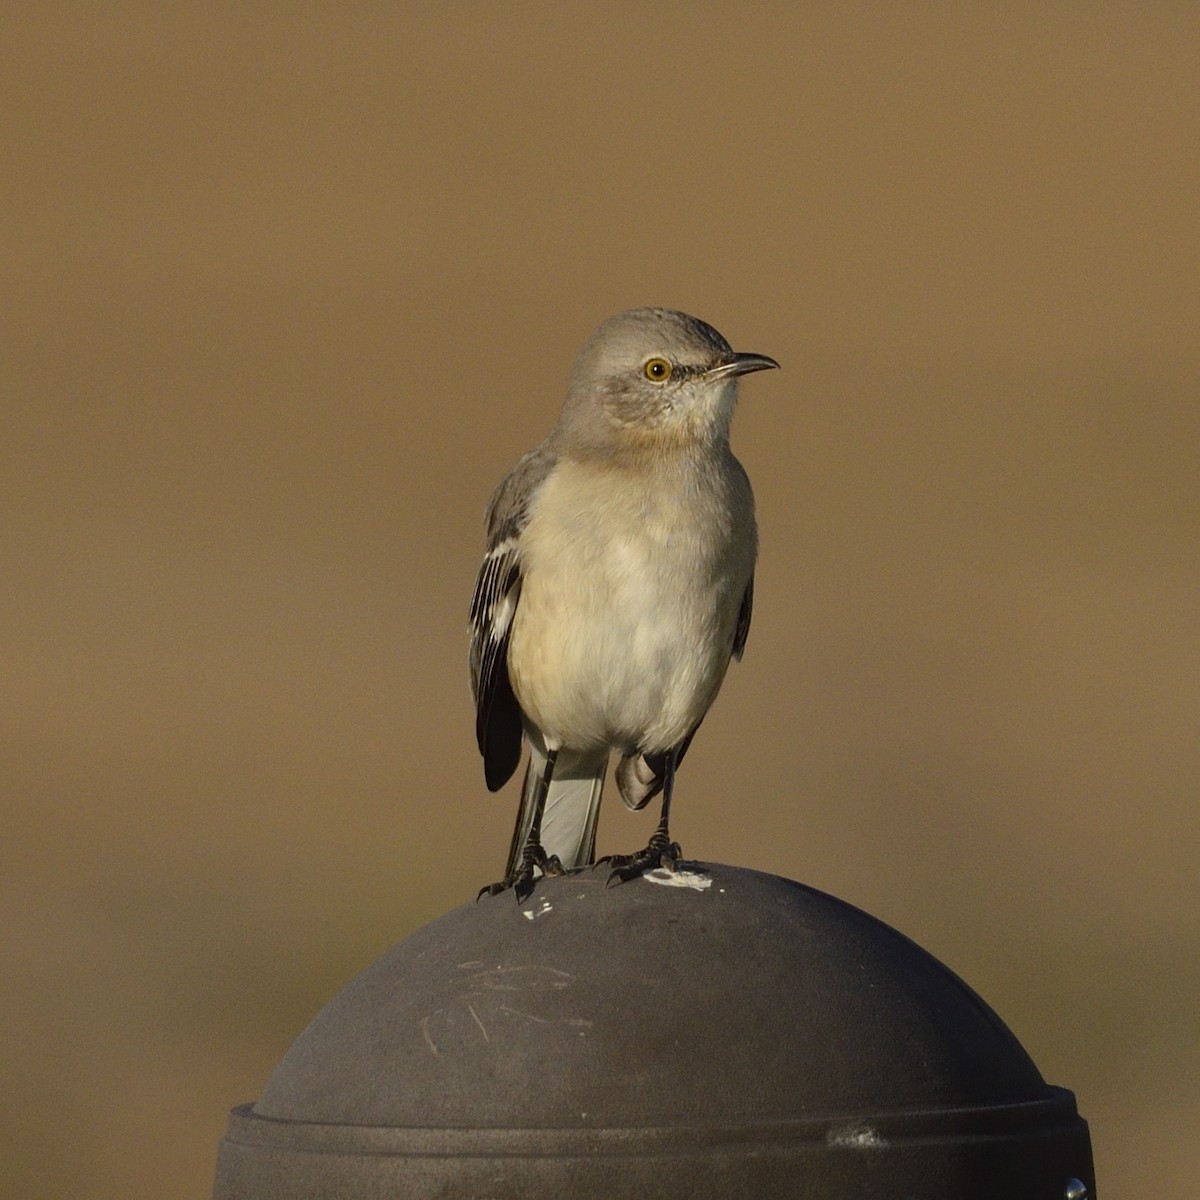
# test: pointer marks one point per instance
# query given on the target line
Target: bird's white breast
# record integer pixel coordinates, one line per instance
(630, 595)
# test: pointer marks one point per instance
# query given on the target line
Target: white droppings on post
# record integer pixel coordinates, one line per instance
(859, 1136)
(696, 880)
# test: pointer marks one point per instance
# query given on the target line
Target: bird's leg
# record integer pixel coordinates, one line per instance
(533, 856)
(660, 851)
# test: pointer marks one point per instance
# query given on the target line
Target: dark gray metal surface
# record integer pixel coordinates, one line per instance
(742, 1036)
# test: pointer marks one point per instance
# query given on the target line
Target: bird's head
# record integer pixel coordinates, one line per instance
(655, 377)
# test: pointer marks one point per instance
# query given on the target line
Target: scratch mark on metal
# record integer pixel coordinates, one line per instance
(492, 978)
(482, 1027)
(425, 1033)
(528, 1016)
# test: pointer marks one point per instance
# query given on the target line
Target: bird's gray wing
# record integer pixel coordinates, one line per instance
(742, 631)
(493, 606)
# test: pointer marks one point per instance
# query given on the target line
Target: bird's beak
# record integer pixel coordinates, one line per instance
(741, 364)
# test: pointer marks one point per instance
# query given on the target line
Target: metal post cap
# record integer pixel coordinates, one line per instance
(721, 1032)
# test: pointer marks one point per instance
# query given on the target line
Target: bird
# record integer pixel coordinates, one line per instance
(616, 586)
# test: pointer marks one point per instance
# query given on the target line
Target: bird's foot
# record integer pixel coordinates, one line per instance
(533, 858)
(661, 852)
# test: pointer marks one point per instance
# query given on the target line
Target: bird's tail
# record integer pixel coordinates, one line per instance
(571, 810)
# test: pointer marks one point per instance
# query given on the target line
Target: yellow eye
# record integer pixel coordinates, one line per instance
(657, 370)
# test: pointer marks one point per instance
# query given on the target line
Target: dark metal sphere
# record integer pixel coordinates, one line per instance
(741, 1036)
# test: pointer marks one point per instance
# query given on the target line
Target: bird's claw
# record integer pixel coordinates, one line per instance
(661, 852)
(522, 880)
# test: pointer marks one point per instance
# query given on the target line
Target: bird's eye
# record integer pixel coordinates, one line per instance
(657, 370)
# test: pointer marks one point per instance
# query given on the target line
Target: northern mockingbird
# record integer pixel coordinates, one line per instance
(616, 586)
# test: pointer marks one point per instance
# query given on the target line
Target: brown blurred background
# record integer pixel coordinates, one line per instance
(287, 288)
